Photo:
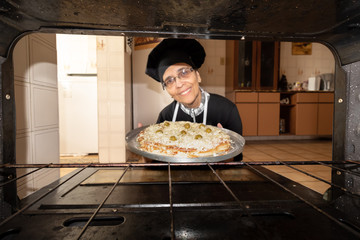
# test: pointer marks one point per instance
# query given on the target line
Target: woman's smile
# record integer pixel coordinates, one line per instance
(185, 92)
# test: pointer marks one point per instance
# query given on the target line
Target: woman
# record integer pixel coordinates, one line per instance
(175, 63)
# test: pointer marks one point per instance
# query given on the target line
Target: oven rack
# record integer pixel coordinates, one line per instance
(340, 166)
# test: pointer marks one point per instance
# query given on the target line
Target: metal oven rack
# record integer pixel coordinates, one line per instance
(180, 201)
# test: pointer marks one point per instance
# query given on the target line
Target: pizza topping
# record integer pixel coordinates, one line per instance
(184, 139)
(198, 136)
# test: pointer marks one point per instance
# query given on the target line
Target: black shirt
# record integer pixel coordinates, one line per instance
(220, 110)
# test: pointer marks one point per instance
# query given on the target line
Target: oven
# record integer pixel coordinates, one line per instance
(223, 200)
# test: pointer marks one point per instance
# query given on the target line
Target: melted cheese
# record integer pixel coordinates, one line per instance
(182, 138)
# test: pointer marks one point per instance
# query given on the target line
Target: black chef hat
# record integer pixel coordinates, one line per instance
(171, 51)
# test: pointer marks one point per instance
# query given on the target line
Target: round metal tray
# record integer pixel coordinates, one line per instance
(237, 145)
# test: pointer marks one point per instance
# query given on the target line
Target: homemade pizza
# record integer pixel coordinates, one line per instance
(184, 139)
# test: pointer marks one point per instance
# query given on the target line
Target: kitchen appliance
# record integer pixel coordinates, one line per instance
(326, 81)
(192, 200)
(313, 84)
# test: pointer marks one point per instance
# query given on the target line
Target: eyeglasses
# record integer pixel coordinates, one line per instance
(184, 73)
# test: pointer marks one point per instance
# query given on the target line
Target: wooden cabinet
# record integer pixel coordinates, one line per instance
(303, 114)
(268, 114)
(306, 118)
(325, 113)
(259, 113)
(248, 110)
(252, 65)
(306, 113)
(312, 114)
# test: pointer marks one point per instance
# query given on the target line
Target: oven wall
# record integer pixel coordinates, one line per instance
(36, 100)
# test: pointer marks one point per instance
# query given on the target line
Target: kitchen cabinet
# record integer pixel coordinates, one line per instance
(259, 113)
(325, 113)
(313, 113)
(252, 65)
(268, 114)
(248, 110)
(302, 114)
(306, 113)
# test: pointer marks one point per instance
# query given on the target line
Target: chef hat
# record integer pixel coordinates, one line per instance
(172, 51)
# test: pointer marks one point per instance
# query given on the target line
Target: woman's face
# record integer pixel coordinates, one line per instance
(186, 89)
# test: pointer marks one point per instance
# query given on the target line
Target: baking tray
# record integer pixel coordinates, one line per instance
(237, 145)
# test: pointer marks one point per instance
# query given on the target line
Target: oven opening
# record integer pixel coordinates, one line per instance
(299, 126)
(285, 178)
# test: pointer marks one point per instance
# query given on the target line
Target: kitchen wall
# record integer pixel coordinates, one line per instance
(213, 70)
(148, 96)
(298, 68)
(114, 97)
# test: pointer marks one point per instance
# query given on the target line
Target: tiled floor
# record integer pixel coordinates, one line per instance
(299, 150)
(76, 159)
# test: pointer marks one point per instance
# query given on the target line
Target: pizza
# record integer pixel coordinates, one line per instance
(184, 139)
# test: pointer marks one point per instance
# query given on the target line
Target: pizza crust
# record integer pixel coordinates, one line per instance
(184, 139)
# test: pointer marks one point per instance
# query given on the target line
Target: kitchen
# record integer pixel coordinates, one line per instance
(297, 68)
(78, 110)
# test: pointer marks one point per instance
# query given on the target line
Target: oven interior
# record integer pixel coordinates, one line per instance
(178, 201)
(226, 200)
